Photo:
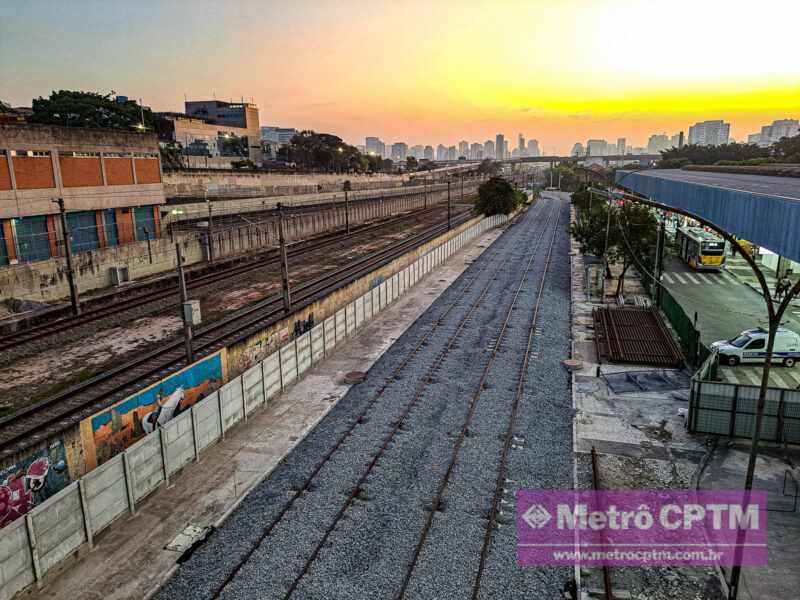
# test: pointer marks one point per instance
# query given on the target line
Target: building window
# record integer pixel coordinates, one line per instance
(110, 224)
(145, 223)
(3, 251)
(83, 231)
(32, 238)
(30, 153)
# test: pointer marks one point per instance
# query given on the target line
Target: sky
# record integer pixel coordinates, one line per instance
(429, 72)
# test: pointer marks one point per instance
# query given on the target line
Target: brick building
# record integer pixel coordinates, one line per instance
(110, 181)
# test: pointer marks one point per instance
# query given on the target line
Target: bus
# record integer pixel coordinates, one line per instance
(701, 249)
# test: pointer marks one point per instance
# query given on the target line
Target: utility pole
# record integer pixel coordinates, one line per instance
(660, 260)
(187, 323)
(210, 231)
(462, 187)
(425, 184)
(346, 187)
(287, 296)
(73, 285)
(605, 246)
(449, 207)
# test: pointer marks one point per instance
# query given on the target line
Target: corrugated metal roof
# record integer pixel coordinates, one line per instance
(761, 209)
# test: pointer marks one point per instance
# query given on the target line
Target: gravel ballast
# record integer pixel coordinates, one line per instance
(368, 553)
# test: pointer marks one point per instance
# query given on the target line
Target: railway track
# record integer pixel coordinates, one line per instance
(398, 423)
(443, 485)
(270, 257)
(37, 421)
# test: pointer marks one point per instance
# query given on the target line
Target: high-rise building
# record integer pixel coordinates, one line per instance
(441, 152)
(499, 146)
(463, 148)
(475, 151)
(428, 153)
(621, 146)
(399, 151)
(417, 151)
(772, 133)
(675, 141)
(452, 153)
(375, 146)
(658, 142)
(506, 150)
(278, 135)
(533, 148)
(578, 150)
(523, 151)
(597, 148)
(710, 133)
(488, 149)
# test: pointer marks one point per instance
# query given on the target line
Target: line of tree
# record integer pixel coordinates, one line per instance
(786, 150)
(497, 196)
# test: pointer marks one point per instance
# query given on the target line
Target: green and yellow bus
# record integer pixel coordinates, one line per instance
(701, 249)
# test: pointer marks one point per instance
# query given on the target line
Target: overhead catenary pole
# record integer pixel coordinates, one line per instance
(287, 295)
(346, 187)
(73, 285)
(660, 260)
(449, 207)
(187, 323)
(425, 184)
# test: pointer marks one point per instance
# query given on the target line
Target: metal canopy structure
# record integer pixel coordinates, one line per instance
(762, 209)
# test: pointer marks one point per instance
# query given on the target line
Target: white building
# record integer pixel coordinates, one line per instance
(533, 148)
(488, 149)
(710, 133)
(597, 147)
(772, 133)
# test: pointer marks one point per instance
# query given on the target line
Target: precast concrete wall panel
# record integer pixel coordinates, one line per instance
(367, 305)
(303, 353)
(178, 442)
(253, 388)
(341, 324)
(288, 364)
(146, 465)
(317, 343)
(359, 312)
(271, 367)
(350, 318)
(58, 527)
(207, 422)
(330, 334)
(231, 403)
(16, 565)
(106, 493)
(384, 288)
(376, 300)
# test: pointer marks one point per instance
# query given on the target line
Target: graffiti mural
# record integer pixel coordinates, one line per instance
(114, 429)
(32, 481)
(303, 325)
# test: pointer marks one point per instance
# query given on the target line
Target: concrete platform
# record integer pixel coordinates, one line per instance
(130, 560)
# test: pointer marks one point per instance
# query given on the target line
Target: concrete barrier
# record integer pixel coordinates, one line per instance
(31, 547)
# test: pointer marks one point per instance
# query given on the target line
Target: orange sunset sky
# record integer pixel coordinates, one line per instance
(426, 72)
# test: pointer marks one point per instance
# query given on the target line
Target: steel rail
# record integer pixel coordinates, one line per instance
(398, 424)
(266, 531)
(124, 379)
(268, 257)
(437, 499)
(512, 420)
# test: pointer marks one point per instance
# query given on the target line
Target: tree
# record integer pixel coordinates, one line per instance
(324, 152)
(787, 150)
(632, 232)
(411, 163)
(90, 109)
(498, 196)
(708, 155)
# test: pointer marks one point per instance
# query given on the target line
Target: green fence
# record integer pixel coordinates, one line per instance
(695, 351)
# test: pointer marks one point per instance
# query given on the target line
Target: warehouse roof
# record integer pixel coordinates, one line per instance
(762, 209)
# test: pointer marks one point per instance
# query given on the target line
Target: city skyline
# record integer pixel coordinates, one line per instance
(417, 82)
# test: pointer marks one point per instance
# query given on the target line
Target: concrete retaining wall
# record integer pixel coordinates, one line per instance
(32, 547)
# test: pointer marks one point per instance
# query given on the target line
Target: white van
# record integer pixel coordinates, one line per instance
(750, 346)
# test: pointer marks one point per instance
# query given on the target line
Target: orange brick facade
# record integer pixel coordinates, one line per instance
(119, 171)
(125, 225)
(33, 172)
(80, 171)
(5, 176)
(147, 170)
